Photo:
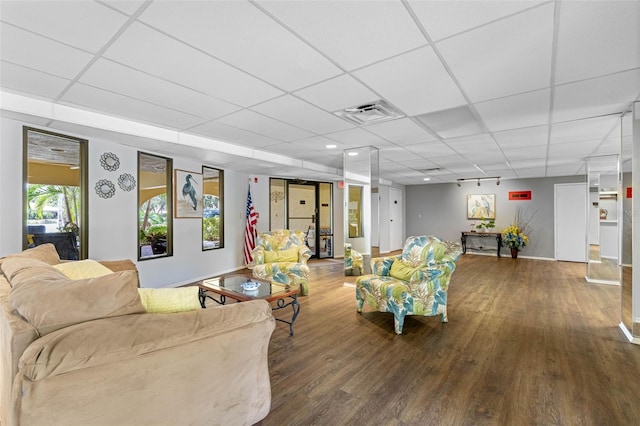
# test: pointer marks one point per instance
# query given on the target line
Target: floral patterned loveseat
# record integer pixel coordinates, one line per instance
(281, 256)
(414, 282)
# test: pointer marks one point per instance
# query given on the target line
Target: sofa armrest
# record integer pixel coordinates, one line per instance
(303, 254)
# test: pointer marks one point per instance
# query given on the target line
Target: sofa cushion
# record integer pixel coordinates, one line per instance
(81, 269)
(50, 301)
(46, 253)
(287, 255)
(401, 270)
(169, 300)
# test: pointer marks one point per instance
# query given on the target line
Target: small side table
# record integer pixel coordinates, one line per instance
(467, 234)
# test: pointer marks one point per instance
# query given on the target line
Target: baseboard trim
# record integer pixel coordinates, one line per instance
(634, 340)
(607, 282)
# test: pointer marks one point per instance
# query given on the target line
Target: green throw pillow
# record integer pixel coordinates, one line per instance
(274, 256)
(169, 300)
(402, 271)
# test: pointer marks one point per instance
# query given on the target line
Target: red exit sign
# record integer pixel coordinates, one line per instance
(519, 195)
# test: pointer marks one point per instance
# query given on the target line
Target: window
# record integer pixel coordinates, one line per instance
(155, 212)
(55, 192)
(213, 212)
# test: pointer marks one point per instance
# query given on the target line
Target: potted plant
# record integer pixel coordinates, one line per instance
(485, 224)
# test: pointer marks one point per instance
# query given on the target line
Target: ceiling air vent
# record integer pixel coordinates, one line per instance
(369, 113)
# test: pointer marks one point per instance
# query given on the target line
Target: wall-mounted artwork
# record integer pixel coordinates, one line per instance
(188, 194)
(481, 206)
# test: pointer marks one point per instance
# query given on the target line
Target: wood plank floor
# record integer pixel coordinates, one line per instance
(528, 343)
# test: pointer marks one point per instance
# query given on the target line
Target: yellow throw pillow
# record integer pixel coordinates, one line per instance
(288, 255)
(82, 269)
(170, 300)
(402, 271)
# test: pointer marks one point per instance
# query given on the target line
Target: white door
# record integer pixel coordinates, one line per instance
(395, 220)
(570, 225)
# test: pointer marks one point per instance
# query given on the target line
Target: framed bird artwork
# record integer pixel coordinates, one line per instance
(187, 195)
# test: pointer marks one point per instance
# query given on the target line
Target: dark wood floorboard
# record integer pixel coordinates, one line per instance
(528, 343)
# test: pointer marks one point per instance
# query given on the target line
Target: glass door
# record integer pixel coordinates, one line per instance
(302, 212)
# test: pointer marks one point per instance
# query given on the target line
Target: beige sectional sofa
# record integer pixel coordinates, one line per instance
(85, 352)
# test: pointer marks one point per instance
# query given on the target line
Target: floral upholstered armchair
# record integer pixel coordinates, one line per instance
(281, 256)
(353, 263)
(414, 282)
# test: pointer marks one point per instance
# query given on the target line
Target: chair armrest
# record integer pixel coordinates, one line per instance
(382, 265)
(303, 254)
(258, 257)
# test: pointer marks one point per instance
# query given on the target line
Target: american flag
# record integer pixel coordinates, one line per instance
(250, 230)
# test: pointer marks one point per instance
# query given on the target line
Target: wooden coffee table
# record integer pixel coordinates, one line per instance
(230, 286)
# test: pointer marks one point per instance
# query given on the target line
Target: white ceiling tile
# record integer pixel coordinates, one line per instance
(299, 150)
(525, 110)
(432, 149)
(223, 29)
(528, 164)
(504, 58)
(232, 134)
(86, 25)
(337, 94)
(452, 123)
(473, 143)
(126, 81)
(597, 38)
(321, 142)
(582, 148)
(445, 18)
(129, 7)
(527, 136)
(18, 47)
(532, 172)
(25, 80)
(598, 96)
(260, 124)
(565, 170)
(353, 33)
(421, 165)
(301, 114)
(150, 51)
(402, 131)
(415, 82)
(121, 106)
(526, 153)
(396, 154)
(358, 137)
(591, 128)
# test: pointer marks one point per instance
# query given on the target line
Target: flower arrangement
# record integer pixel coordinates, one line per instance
(513, 237)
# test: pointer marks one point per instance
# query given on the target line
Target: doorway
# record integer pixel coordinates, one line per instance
(307, 207)
(395, 220)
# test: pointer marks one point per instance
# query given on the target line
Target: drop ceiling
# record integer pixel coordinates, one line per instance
(517, 88)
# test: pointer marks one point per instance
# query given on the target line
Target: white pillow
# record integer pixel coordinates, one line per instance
(82, 269)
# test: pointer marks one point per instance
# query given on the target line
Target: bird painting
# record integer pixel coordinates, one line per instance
(189, 191)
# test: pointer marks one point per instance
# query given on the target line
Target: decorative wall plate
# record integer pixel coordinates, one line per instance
(109, 161)
(105, 188)
(126, 182)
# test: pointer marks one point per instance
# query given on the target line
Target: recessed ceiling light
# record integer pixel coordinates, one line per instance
(352, 153)
(331, 146)
(426, 179)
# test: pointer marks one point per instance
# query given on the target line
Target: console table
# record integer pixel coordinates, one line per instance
(467, 234)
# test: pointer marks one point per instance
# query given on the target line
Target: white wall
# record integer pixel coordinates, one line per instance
(113, 221)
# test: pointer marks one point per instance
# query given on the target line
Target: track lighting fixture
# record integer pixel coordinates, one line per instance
(459, 181)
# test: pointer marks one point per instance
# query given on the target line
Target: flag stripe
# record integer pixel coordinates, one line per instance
(250, 230)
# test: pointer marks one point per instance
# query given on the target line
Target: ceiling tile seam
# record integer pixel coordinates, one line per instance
(610, 74)
(104, 48)
(617, 124)
(136, 99)
(175, 83)
(511, 15)
(35, 70)
(552, 80)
